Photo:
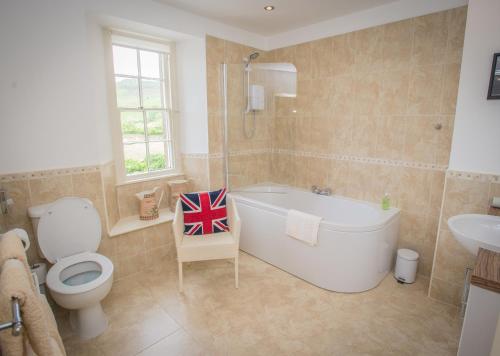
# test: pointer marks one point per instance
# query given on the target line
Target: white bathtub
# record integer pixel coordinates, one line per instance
(356, 243)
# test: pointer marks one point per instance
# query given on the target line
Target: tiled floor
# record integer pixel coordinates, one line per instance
(272, 313)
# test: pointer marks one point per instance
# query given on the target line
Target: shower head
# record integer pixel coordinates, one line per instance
(253, 56)
(250, 58)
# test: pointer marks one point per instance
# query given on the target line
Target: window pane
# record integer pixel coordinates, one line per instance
(150, 64)
(125, 60)
(127, 92)
(156, 130)
(132, 126)
(156, 156)
(135, 158)
(151, 93)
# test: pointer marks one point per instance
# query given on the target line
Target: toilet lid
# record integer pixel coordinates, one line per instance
(69, 226)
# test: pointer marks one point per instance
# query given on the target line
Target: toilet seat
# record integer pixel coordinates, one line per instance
(69, 227)
(55, 283)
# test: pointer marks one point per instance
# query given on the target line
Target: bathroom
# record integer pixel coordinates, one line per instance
(377, 104)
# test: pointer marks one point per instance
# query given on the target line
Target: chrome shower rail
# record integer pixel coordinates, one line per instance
(17, 323)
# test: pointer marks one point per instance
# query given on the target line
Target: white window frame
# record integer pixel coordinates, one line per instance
(168, 50)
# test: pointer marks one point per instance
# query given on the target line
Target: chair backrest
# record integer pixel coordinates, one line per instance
(232, 215)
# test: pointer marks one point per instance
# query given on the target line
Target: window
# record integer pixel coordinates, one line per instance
(143, 99)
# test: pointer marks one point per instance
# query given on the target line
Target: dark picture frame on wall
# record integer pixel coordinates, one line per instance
(494, 89)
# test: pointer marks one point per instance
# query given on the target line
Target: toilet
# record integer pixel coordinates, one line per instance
(68, 233)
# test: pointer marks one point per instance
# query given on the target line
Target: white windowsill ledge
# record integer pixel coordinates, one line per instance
(151, 178)
(133, 223)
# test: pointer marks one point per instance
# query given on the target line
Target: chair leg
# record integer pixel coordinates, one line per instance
(181, 286)
(236, 281)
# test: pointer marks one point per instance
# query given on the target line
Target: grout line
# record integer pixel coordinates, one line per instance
(161, 339)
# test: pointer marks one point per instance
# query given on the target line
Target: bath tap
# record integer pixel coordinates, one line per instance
(321, 191)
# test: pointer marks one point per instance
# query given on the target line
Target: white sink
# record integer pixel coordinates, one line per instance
(476, 230)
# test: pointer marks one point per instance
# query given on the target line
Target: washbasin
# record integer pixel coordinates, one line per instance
(473, 231)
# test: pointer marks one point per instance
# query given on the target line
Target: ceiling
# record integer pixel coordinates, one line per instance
(288, 14)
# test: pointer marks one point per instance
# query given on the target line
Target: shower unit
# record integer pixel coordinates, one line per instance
(259, 81)
(253, 94)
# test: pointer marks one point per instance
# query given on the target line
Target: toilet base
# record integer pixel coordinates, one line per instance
(88, 322)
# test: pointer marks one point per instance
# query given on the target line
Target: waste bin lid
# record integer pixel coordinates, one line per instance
(407, 254)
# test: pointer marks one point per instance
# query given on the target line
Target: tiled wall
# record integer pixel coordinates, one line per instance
(130, 253)
(364, 119)
(196, 167)
(249, 158)
(465, 193)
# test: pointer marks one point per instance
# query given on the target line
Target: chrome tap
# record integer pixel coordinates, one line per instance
(3, 202)
(321, 191)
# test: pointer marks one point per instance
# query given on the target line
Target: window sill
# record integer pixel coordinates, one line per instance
(152, 178)
(133, 223)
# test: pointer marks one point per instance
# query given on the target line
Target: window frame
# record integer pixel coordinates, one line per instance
(167, 49)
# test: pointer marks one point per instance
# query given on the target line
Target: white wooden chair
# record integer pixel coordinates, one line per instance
(208, 247)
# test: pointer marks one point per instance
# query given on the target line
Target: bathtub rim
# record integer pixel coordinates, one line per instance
(387, 216)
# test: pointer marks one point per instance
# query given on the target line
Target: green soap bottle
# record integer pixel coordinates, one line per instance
(386, 202)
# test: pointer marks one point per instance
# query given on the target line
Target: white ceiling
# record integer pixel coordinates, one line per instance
(288, 14)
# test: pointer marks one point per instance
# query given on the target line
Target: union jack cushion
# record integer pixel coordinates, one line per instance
(204, 212)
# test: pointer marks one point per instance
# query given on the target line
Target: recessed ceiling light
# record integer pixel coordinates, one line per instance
(269, 8)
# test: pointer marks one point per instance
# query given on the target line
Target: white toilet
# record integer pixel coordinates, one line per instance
(68, 233)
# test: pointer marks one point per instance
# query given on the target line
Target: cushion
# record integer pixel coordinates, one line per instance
(204, 212)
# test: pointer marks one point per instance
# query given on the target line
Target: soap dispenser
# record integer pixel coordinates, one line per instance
(386, 202)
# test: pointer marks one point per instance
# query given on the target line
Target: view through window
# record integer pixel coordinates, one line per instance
(143, 98)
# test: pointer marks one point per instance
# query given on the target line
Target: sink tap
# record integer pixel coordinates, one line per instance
(321, 191)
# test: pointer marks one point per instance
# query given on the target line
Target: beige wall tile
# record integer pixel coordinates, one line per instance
(87, 185)
(109, 183)
(451, 75)
(342, 133)
(364, 137)
(464, 196)
(158, 236)
(425, 90)
(344, 54)
(321, 58)
(431, 33)
(369, 49)
(397, 44)
(214, 100)
(342, 95)
(456, 19)
(197, 171)
(338, 177)
(394, 92)
(451, 259)
(303, 60)
(390, 134)
(128, 204)
(368, 93)
(215, 50)
(420, 139)
(47, 190)
(216, 173)
(494, 192)
(414, 191)
(19, 192)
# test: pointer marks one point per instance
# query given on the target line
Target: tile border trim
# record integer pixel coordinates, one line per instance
(48, 173)
(369, 160)
(473, 176)
(336, 157)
